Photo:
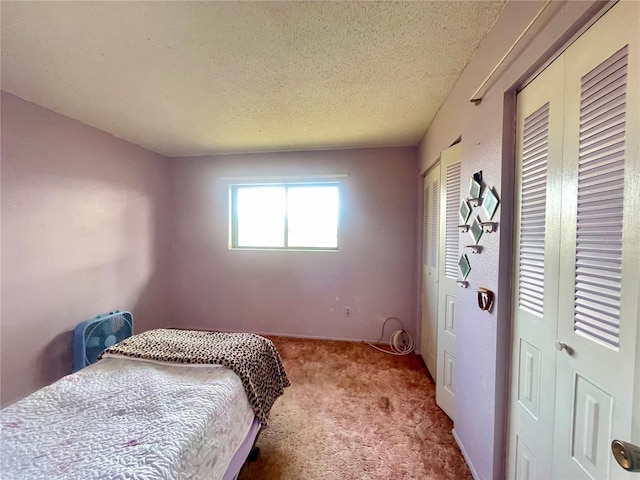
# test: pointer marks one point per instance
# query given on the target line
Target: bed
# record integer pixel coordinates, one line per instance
(168, 404)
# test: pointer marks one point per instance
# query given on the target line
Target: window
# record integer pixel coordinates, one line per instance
(291, 216)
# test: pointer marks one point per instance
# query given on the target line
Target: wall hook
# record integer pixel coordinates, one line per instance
(489, 227)
(475, 248)
(474, 202)
(485, 299)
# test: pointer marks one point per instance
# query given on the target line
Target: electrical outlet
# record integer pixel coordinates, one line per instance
(347, 311)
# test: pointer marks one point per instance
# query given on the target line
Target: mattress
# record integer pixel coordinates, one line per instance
(243, 451)
(126, 418)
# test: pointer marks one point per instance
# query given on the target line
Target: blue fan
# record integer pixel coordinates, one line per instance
(91, 337)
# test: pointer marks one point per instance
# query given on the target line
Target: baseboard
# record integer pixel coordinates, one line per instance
(289, 335)
(474, 474)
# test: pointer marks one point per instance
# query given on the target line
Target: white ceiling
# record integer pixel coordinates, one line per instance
(194, 78)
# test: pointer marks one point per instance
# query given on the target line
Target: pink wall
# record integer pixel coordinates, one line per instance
(91, 223)
(300, 293)
(483, 339)
(82, 226)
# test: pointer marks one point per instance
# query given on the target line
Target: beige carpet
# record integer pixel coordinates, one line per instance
(355, 413)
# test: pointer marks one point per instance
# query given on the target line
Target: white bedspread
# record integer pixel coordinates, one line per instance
(127, 419)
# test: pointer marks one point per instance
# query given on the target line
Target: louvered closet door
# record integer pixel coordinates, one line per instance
(539, 163)
(448, 291)
(430, 237)
(598, 315)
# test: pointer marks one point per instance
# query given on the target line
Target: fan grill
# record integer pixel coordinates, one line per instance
(98, 334)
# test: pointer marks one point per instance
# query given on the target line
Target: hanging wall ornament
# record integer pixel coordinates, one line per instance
(464, 266)
(476, 230)
(490, 202)
(465, 211)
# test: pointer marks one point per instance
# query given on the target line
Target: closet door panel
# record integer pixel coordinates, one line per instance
(430, 269)
(448, 291)
(598, 318)
(538, 169)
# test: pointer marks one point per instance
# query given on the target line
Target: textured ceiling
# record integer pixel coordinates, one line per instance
(193, 78)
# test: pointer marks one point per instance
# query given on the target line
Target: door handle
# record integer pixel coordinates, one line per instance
(563, 346)
(627, 455)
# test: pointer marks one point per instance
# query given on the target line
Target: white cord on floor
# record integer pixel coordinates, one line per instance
(401, 341)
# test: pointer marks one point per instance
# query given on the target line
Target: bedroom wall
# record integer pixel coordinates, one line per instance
(83, 228)
(299, 293)
(487, 130)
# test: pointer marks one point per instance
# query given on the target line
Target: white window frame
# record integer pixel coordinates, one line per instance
(233, 217)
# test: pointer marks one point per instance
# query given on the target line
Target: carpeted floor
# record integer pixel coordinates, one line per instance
(355, 413)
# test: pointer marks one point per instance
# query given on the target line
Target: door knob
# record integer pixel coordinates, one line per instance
(627, 455)
(563, 346)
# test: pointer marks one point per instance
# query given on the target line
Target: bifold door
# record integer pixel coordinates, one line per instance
(430, 265)
(575, 350)
(440, 271)
(448, 274)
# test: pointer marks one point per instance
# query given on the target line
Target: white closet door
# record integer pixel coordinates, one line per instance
(430, 237)
(538, 166)
(448, 274)
(599, 280)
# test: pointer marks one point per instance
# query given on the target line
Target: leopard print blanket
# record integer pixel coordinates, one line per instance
(252, 357)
